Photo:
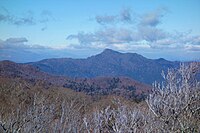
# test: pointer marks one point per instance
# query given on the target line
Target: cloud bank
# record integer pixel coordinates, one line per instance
(143, 33)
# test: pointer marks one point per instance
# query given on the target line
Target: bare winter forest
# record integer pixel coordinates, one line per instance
(171, 106)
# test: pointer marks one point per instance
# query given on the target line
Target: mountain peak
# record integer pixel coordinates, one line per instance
(110, 51)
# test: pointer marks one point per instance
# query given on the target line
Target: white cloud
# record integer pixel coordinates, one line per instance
(124, 16)
(26, 19)
(152, 18)
(18, 43)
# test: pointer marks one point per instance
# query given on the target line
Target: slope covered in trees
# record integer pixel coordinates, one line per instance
(99, 86)
(108, 63)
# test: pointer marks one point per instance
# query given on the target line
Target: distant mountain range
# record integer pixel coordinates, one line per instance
(108, 63)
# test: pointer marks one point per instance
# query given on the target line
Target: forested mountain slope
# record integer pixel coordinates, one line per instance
(108, 63)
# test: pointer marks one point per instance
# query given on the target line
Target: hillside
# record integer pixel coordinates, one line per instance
(108, 63)
(122, 86)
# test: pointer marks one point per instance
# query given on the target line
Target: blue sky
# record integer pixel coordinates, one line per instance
(31, 30)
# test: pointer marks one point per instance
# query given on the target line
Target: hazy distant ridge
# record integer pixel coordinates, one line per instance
(108, 63)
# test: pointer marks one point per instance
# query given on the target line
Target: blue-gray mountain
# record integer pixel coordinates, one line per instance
(108, 63)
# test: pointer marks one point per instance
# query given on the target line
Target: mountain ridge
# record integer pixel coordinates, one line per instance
(108, 63)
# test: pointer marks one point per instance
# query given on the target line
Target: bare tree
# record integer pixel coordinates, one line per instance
(115, 120)
(70, 119)
(175, 103)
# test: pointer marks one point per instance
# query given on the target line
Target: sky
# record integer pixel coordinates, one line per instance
(32, 30)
